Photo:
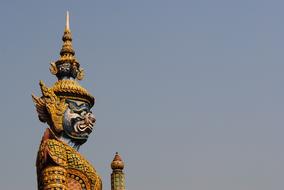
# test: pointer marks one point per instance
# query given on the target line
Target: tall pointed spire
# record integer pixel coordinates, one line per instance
(67, 39)
(67, 66)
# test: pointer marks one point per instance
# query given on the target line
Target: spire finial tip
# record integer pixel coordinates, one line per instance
(67, 27)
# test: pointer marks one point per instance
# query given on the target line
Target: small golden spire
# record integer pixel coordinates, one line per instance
(67, 66)
(117, 175)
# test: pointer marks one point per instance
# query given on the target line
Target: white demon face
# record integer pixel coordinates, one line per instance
(78, 122)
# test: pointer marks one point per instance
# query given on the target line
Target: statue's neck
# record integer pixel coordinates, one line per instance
(49, 134)
(68, 141)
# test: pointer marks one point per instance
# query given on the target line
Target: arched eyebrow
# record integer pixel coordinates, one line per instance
(78, 107)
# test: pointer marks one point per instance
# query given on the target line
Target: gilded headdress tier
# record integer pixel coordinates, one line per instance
(70, 89)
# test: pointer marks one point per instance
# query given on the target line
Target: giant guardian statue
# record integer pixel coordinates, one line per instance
(66, 108)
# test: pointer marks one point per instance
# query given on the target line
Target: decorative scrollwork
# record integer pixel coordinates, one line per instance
(50, 108)
(53, 69)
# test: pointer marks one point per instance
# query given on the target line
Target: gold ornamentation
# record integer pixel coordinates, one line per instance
(68, 169)
(50, 108)
(71, 89)
(53, 69)
(67, 56)
(80, 178)
(54, 177)
(81, 74)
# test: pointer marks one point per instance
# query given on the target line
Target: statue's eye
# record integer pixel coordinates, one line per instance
(83, 113)
(71, 106)
(77, 112)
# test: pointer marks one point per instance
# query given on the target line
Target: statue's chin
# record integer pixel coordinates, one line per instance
(75, 139)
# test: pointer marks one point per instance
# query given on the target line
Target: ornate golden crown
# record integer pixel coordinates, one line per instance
(51, 105)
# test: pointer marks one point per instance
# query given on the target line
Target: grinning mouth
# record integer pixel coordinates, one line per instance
(81, 127)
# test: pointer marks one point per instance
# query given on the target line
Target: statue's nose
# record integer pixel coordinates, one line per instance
(91, 118)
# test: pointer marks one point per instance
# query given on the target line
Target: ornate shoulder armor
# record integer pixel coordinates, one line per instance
(57, 152)
(51, 152)
(51, 165)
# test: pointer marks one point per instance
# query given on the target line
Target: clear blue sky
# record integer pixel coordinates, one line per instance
(190, 92)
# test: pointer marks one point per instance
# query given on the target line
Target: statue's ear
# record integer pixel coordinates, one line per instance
(50, 108)
(40, 105)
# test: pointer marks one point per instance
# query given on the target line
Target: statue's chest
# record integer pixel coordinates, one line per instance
(80, 171)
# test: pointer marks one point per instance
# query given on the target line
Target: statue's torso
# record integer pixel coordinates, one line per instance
(58, 163)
